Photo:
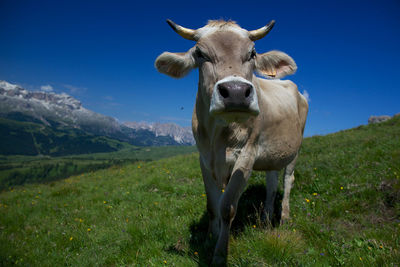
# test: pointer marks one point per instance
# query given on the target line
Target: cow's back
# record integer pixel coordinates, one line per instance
(281, 123)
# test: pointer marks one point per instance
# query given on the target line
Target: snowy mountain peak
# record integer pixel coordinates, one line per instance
(7, 86)
(44, 99)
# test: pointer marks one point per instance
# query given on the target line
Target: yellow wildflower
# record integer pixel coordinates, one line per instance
(89, 229)
(341, 188)
(307, 200)
(314, 194)
(196, 253)
(254, 226)
(70, 239)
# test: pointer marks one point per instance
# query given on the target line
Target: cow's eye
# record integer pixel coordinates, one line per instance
(202, 55)
(252, 54)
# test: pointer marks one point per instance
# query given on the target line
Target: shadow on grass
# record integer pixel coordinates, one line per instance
(249, 212)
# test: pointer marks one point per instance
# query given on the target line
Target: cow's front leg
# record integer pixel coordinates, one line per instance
(227, 207)
(213, 196)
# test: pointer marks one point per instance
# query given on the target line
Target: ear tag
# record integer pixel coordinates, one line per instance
(271, 73)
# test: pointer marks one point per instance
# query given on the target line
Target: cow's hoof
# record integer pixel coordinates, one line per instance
(285, 217)
(267, 219)
(218, 261)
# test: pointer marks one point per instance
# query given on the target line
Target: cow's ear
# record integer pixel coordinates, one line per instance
(275, 64)
(176, 65)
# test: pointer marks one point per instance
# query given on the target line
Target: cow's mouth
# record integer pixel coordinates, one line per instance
(241, 110)
(234, 115)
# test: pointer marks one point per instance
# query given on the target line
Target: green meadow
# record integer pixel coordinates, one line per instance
(345, 211)
(18, 170)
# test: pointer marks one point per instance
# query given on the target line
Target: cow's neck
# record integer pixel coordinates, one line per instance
(218, 132)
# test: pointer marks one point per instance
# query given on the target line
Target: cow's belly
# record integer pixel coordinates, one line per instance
(268, 157)
(276, 155)
(270, 162)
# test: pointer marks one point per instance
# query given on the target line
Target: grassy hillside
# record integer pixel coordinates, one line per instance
(345, 212)
(18, 170)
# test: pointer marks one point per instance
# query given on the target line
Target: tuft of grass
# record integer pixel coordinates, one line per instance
(344, 211)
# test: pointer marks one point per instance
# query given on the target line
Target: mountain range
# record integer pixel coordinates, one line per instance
(181, 135)
(63, 113)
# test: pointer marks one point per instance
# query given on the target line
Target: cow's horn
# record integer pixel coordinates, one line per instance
(260, 33)
(182, 31)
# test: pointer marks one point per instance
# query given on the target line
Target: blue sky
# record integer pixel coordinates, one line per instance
(103, 52)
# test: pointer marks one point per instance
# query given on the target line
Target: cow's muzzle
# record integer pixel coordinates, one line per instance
(234, 95)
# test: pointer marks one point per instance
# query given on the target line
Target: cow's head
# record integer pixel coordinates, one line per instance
(227, 60)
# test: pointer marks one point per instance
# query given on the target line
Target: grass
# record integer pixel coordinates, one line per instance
(344, 206)
(18, 170)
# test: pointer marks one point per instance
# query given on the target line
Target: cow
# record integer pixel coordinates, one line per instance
(241, 122)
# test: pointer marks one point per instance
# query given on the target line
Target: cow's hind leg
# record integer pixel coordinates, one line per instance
(272, 186)
(288, 184)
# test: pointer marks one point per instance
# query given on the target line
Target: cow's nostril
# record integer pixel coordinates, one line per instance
(223, 92)
(247, 93)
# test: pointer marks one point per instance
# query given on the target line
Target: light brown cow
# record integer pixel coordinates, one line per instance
(240, 122)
